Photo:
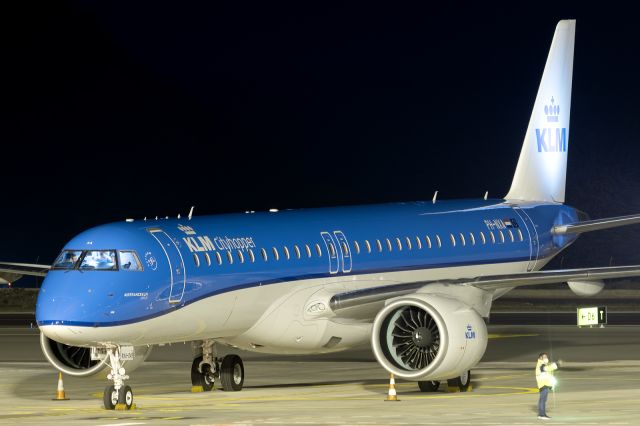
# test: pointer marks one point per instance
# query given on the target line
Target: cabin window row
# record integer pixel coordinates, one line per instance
(460, 238)
(250, 255)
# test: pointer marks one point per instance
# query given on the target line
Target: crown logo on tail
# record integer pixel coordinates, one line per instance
(552, 111)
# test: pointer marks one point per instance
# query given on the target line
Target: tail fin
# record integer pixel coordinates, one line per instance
(542, 168)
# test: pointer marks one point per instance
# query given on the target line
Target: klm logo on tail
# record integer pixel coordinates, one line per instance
(552, 139)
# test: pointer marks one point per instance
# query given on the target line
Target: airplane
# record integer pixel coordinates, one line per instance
(416, 279)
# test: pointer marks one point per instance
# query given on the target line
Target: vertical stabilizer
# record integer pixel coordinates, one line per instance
(542, 168)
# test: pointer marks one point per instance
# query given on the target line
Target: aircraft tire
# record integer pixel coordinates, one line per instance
(198, 378)
(232, 373)
(110, 398)
(429, 385)
(126, 397)
(463, 383)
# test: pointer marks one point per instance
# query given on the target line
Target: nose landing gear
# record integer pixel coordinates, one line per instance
(118, 396)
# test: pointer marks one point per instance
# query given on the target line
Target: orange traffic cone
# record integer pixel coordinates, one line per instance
(60, 396)
(392, 396)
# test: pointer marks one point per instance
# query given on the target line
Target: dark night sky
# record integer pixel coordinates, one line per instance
(132, 109)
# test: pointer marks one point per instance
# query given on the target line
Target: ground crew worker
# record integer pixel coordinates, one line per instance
(546, 381)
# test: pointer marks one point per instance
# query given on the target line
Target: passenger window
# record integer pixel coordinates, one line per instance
(464, 242)
(482, 238)
(428, 240)
(67, 259)
(501, 236)
(276, 255)
(389, 247)
(318, 250)
(265, 257)
(241, 256)
(229, 257)
(511, 236)
(129, 261)
(472, 238)
(366, 243)
(357, 246)
(399, 244)
(345, 249)
(252, 256)
(308, 250)
(196, 260)
(379, 244)
(332, 250)
(453, 240)
(493, 237)
(438, 241)
(297, 250)
(520, 235)
(418, 243)
(99, 260)
(286, 252)
(218, 258)
(207, 258)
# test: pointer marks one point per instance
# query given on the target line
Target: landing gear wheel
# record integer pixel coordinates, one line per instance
(126, 397)
(463, 382)
(429, 385)
(204, 379)
(232, 373)
(110, 398)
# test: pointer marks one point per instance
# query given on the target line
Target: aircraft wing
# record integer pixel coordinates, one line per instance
(11, 272)
(361, 297)
(595, 225)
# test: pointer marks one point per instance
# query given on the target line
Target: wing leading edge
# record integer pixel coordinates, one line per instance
(491, 282)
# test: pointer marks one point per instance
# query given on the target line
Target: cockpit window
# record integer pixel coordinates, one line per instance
(99, 260)
(67, 259)
(129, 261)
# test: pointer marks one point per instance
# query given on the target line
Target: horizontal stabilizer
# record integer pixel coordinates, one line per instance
(595, 225)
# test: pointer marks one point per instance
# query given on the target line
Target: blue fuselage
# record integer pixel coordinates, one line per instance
(183, 261)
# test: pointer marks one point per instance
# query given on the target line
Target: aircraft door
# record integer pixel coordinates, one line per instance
(345, 251)
(534, 245)
(178, 277)
(332, 252)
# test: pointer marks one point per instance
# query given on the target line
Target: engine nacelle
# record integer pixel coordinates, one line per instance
(586, 288)
(76, 361)
(428, 337)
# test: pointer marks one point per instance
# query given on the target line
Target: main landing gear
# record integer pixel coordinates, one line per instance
(207, 367)
(463, 383)
(117, 395)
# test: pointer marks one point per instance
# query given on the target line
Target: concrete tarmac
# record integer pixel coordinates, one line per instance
(599, 384)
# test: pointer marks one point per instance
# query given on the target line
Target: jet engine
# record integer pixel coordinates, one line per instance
(76, 360)
(428, 337)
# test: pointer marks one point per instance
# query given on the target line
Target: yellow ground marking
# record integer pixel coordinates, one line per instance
(509, 336)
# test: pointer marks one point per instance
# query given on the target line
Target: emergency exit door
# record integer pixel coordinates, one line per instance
(178, 278)
(338, 251)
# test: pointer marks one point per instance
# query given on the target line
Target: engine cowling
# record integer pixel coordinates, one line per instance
(76, 360)
(428, 337)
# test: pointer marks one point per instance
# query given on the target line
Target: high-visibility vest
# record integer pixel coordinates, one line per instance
(544, 374)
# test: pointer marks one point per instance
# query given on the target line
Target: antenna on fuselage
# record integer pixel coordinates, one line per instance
(178, 215)
(191, 212)
(435, 197)
(486, 195)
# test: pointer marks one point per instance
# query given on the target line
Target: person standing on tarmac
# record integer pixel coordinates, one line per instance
(546, 381)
